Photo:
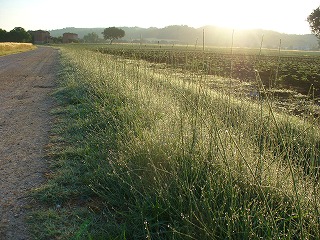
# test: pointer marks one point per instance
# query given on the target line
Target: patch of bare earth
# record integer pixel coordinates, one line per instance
(26, 79)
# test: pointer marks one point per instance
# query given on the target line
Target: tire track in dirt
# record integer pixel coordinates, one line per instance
(26, 79)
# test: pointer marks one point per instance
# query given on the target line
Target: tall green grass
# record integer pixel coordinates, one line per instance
(159, 155)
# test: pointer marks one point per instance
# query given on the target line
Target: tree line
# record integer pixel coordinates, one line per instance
(214, 36)
(18, 34)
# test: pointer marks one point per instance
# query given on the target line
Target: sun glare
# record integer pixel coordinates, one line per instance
(286, 16)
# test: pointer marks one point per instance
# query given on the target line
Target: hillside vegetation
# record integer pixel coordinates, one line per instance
(214, 36)
(141, 151)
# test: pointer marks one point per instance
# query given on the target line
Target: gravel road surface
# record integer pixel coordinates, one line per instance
(26, 79)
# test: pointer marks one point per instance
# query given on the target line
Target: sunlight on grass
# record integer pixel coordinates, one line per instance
(162, 156)
(7, 48)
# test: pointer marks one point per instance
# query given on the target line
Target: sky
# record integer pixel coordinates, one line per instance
(285, 16)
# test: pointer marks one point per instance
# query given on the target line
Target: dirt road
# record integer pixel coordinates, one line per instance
(26, 79)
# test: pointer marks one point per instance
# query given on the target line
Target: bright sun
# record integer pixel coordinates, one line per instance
(285, 15)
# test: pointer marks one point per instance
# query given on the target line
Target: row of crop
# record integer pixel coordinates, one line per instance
(297, 72)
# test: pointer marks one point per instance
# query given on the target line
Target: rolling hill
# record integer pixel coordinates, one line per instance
(214, 36)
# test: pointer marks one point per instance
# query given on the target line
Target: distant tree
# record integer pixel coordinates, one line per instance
(3, 35)
(91, 38)
(113, 33)
(56, 39)
(18, 34)
(314, 22)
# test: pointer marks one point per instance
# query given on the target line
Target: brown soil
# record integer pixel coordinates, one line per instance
(26, 79)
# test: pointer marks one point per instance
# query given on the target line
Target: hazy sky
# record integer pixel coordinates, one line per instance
(288, 16)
